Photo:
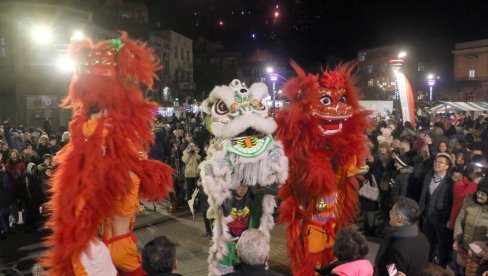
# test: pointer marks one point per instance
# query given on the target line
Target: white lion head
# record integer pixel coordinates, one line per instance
(236, 110)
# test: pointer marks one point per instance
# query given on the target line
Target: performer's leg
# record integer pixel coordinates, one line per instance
(124, 254)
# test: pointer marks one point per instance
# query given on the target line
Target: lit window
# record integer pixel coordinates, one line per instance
(421, 67)
(472, 73)
(362, 57)
(371, 82)
(370, 69)
(2, 48)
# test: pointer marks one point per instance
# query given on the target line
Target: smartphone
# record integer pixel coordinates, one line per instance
(392, 270)
(475, 248)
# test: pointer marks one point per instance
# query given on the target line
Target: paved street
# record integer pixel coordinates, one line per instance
(21, 249)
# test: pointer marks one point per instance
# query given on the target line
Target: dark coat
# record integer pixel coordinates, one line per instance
(443, 204)
(30, 192)
(252, 270)
(406, 247)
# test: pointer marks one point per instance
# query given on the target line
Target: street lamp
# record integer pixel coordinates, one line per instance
(77, 35)
(65, 64)
(431, 83)
(42, 35)
(274, 77)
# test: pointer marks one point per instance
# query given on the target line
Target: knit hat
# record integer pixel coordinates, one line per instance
(445, 155)
(30, 168)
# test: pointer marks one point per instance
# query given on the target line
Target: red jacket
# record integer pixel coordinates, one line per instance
(14, 172)
(460, 190)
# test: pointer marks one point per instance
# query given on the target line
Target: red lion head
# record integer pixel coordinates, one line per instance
(324, 113)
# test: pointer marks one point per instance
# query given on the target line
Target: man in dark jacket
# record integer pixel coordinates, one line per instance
(436, 205)
(405, 246)
(252, 250)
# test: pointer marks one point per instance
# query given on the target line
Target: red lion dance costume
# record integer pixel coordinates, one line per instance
(101, 173)
(323, 134)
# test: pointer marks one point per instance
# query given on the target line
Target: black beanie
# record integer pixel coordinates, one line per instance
(483, 186)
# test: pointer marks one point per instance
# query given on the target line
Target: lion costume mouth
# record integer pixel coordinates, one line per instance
(249, 143)
(329, 125)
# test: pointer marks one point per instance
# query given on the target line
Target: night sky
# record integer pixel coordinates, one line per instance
(315, 31)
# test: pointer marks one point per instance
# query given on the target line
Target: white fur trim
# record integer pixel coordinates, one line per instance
(259, 90)
(219, 243)
(241, 123)
(267, 220)
(224, 93)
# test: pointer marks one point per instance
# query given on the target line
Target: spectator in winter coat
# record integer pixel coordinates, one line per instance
(14, 170)
(6, 200)
(401, 181)
(15, 141)
(30, 196)
(422, 163)
(350, 249)
(158, 149)
(405, 246)
(474, 174)
(382, 169)
(253, 251)
(471, 226)
(53, 144)
(47, 159)
(436, 205)
(43, 147)
(191, 158)
(65, 138)
(28, 155)
(4, 151)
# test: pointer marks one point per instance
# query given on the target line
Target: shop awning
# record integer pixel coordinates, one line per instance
(460, 106)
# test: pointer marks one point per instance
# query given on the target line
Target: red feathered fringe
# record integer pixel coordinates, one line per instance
(92, 173)
(315, 161)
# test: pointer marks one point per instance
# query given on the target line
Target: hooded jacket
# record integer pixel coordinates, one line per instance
(471, 222)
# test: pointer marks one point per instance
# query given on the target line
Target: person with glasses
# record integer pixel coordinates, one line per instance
(436, 205)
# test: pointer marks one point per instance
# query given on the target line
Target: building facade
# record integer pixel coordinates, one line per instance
(176, 54)
(471, 69)
(34, 74)
(214, 65)
(376, 72)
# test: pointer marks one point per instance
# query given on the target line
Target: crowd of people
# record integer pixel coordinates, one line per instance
(430, 205)
(25, 167)
(440, 167)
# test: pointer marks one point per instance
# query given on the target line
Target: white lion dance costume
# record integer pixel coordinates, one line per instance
(242, 154)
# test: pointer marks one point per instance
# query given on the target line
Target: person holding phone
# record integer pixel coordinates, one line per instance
(191, 158)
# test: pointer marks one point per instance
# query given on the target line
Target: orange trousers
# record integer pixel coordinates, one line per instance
(124, 254)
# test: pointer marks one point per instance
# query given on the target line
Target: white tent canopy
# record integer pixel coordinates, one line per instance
(460, 106)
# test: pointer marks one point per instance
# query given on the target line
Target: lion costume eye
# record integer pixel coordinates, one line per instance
(325, 100)
(221, 108)
(343, 99)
